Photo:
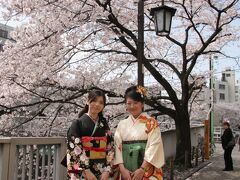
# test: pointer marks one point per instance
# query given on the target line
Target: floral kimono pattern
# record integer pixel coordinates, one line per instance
(89, 146)
(144, 128)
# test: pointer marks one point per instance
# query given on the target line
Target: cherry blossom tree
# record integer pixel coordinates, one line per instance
(65, 48)
(227, 112)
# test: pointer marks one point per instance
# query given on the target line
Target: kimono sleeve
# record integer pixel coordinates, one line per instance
(76, 156)
(110, 151)
(154, 153)
(118, 146)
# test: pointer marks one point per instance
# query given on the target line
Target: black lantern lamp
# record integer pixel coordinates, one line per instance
(163, 19)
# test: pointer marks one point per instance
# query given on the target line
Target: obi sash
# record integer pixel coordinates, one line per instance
(97, 146)
(133, 154)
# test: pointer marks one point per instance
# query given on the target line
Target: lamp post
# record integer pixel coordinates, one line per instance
(211, 117)
(162, 19)
(140, 43)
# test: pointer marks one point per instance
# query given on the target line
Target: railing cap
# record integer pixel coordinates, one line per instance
(32, 140)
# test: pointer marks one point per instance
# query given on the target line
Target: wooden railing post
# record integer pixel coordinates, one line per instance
(61, 172)
(172, 168)
(193, 153)
(4, 160)
(12, 168)
(197, 155)
(186, 159)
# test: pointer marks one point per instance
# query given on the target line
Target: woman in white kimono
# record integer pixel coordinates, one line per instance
(138, 142)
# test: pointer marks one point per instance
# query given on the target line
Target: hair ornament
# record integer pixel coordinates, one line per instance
(142, 91)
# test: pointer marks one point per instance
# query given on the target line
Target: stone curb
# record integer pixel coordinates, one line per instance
(201, 166)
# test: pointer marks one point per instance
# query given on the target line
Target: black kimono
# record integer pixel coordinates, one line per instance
(89, 146)
(226, 138)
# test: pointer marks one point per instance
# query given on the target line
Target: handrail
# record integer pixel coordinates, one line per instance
(32, 158)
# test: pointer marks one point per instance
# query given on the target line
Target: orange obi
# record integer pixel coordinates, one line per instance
(99, 149)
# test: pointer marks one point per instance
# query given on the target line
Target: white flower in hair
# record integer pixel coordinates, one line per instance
(107, 98)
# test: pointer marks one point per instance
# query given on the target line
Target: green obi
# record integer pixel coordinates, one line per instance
(133, 154)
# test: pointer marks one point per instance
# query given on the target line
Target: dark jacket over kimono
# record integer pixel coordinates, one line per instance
(226, 137)
(88, 148)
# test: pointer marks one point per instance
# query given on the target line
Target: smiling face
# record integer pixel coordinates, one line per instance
(134, 107)
(96, 105)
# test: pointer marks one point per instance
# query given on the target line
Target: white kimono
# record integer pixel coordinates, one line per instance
(142, 128)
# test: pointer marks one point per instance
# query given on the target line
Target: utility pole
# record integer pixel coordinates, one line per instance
(140, 43)
(211, 117)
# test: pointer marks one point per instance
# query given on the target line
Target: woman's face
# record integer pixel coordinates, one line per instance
(134, 107)
(225, 126)
(97, 105)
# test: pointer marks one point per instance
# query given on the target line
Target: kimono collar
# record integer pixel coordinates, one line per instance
(95, 121)
(134, 120)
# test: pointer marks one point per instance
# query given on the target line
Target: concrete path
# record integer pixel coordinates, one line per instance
(214, 170)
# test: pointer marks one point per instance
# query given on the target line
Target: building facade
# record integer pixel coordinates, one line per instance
(226, 90)
(237, 91)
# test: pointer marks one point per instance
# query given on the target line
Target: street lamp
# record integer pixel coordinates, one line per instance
(163, 19)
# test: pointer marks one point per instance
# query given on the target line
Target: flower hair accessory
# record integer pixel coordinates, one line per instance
(142, 91)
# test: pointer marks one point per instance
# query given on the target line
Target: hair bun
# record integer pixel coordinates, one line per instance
(137, 93)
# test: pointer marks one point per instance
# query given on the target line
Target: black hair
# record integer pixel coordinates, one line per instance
(226, 123)
(92, 96)
(132, 93)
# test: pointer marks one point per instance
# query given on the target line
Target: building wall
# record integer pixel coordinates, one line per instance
(4, 34)
(221, 91)
(230, 78)
(237, 91)
(169, 140)
(226, 90)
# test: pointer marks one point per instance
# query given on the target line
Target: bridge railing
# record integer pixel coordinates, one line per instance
(32, 158)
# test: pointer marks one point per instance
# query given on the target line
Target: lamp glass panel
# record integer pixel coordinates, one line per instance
(159, 20)
(168, 19)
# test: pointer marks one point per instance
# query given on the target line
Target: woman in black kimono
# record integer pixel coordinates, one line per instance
(226, 138)
(90, 143)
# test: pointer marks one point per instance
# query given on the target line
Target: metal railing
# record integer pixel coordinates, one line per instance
(32, 158)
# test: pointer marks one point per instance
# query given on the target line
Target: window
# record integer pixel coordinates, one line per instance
(221, 86)
(222, 96)
(3, 34)
(223, 77)
(228, 75)
(1, 47)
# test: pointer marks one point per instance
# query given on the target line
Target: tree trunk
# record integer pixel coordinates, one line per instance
(183, 145)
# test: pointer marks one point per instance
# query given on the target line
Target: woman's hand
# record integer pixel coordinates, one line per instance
(126, 174)
(89, 175)
(104, 176)
(138, 174)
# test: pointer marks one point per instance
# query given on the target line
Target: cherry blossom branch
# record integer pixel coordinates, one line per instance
(2, 131)
(51, 123)
(193, 99)
(174, 68)
(161, 108)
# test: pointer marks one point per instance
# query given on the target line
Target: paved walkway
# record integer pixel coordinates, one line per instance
(214, 170)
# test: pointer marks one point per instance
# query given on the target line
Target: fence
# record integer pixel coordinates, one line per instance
(39, 158)
(32, 158)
